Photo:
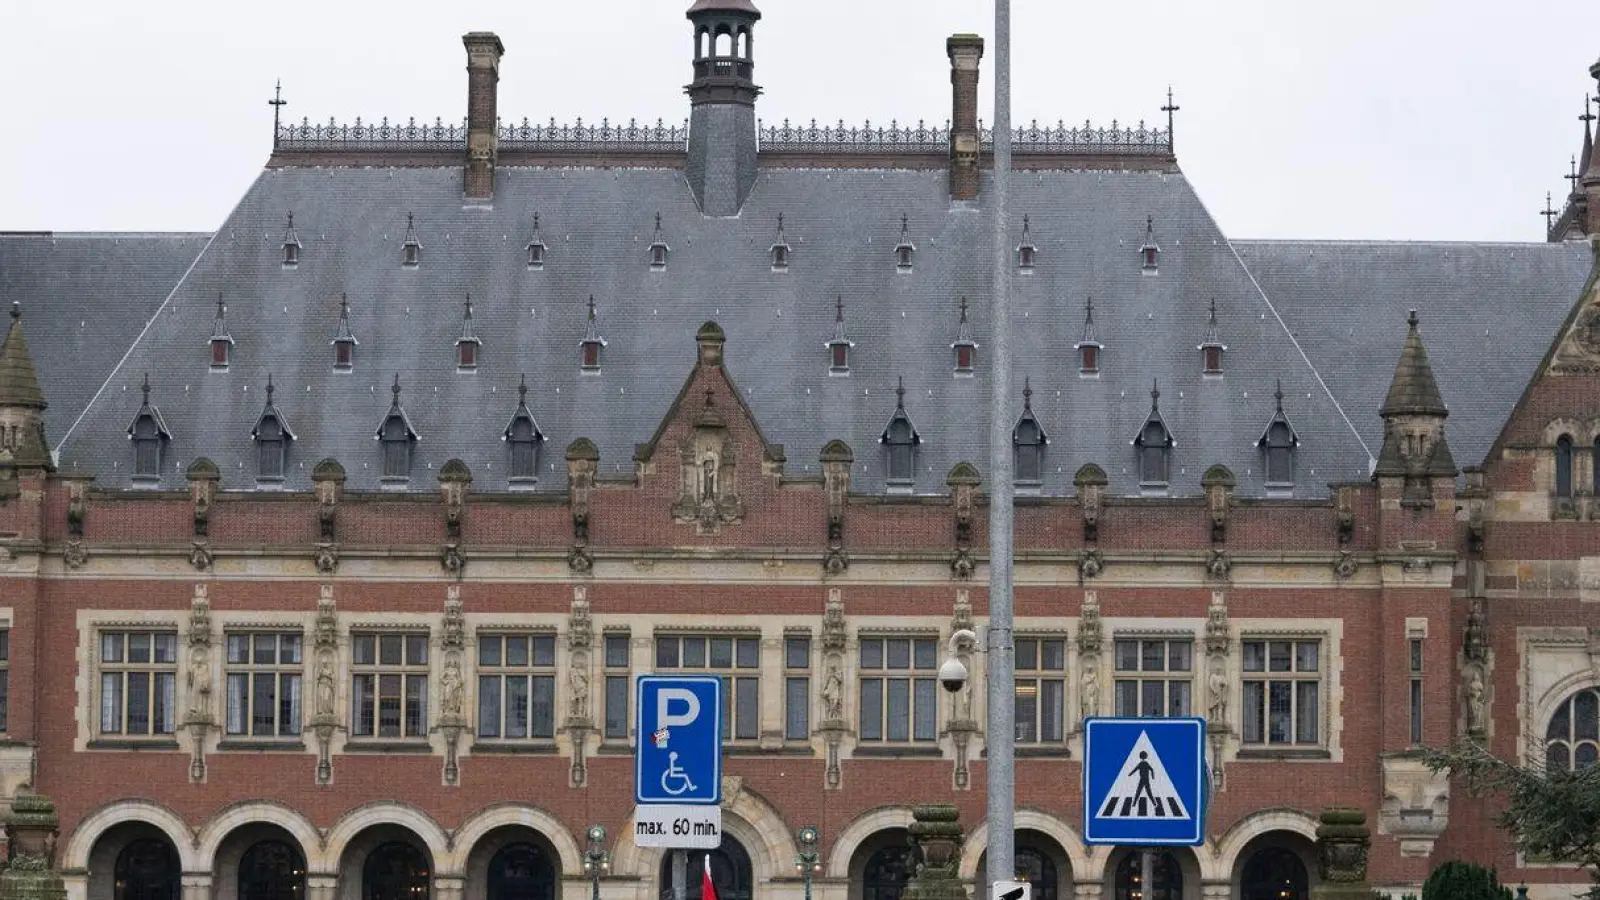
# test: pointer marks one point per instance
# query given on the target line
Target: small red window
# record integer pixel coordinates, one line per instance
(591, 355)
(1026, 257)
(841, 356)
(342, 354)
(964, 357)
(469, 353)
(1150, 257)
(1213, 360)
(219, 353)
(1090, 358)
(903, 256)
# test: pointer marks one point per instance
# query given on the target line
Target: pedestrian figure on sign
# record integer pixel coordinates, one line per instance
(1144, 770)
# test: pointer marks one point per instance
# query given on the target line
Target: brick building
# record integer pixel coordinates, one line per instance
(329, 541)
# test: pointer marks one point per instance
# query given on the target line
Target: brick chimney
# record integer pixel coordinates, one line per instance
(965, 51)
(483, 79)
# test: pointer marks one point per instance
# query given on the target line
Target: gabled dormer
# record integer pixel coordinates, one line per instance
(964, 347)
(149, 435)
(523, 438)
(411, 248)
(467, 345)
(905, 252)
(1212, 348)
(344, 340)
(1026, 252)
(900, 438)
(396, 437)
(221, 341)
(1278, 445)
(1152, 448)
(1089, 347)
(589, 348)
(1028, 440)
(291, 245)
(1150, 251)
(659, 249)
(780, 249)
(839, 345)
(536, 247)
(272, 436)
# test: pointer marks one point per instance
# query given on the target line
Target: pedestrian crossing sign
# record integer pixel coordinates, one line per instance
(1144, 781)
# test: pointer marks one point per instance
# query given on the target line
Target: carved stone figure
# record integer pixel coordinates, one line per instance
(1091, 564)
(1217, 684)
(1475, 701)
(451, 688)
(833, 693)
(578, 685)
(1089, 689)
(199, 681)
(325, 684)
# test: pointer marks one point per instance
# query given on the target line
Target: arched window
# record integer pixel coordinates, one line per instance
(272, 870)
(1564, 466)
(146, 448)
(1167, 883)
(730, 872)
(1039, 870)
(1154, 447)
(396, 448)
(1029, 450)
(724, 43)
(524, 448)
(887, 872)
(900, 446)
(1573, 739)
(1280, 454)
(521, 872)
(147, 869)
(1274, 873)
(270, 447)
(396, 871)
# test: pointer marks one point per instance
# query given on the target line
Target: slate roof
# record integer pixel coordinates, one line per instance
(85, 296)
(1489, 312)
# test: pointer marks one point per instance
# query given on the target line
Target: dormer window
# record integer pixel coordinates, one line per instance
(658, 249)
(1153, 447)
(839, 345)
(221, 342)
(1025, 251)
(780, 250)
(1150, 251)
(901, 439)
(1213, 359)
(1027, 442)
(396, 437)
(1278, 444)
(589, 348)
(1088, 348)
(536, 247)
(149, 436)
(411, 248)
(467, 344)
(272, 437)
(904, 251)
(291, 246)
(344, 341)
(1564, 467)
(1212, 348)
(523, 437)
(964, 346)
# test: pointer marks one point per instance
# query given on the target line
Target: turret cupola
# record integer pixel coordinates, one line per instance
(722, 122)
(1414, 446)
(22, 442)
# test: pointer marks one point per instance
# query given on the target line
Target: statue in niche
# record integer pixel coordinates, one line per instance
(1089, 690)
(578, 684)
(708, 479)
(451, 687)
(1217, 683)
(325, 684)
(1475, 701)
(833, 693)
(199, 681)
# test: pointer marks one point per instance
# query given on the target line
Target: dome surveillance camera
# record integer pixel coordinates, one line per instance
(953, 675)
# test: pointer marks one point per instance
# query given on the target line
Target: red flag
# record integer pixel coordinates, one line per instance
(708, 891)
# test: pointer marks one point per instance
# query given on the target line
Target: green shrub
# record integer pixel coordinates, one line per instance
(1456, 880)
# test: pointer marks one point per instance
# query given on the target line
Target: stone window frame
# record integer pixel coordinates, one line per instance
(251, 669)
(1553, 664)
(736, 672)
(90, 623)
(259, 622)
(481, 671)
(1139, 674)
(1583, 467)
(405, 669)
(612, 673)
(1294, 676)
(127, 668)
(914, 675)
(1330, 631)
(798, 677)
(1039, 671)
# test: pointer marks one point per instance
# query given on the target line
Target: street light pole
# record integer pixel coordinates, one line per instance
(596, 859)
(1001, 735)
(808, 862)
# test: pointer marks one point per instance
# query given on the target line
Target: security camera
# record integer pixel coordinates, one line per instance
(953, 675)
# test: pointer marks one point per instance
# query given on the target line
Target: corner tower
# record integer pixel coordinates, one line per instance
(721, 167)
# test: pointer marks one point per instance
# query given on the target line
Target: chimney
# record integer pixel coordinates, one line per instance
(483, 79)
(965, 50)
(721, 164)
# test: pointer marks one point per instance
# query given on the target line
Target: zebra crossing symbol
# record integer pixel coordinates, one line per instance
(1143, 790)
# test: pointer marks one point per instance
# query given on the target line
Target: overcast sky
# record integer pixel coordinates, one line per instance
(1395, 119)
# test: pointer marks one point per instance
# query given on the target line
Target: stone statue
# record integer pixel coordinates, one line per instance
(708, 480)
(833, 693)
(451, 688)
(578, 684)
(199, 681)
(1089, 690)
(1217, 683)
(325, 684)
(1475, 701)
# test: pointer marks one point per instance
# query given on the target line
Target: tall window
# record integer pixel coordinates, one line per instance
(900, 441)
(617, 687)
(1279, 442)
(5, 681)
(1416, 690)
(1153, 677)
(138, 682)
(1041, 690)
(390, 685)
(899, 701)
(270, 447)
(264, 673)
(796, 688)
(524, 443)
(737, 660)
(516, 686)
(272, 870)
(1282, 692)
(1028, 446)
(146, 448)
(396, 448)
(1154, 447)
(1572, 740)
(1564, 466)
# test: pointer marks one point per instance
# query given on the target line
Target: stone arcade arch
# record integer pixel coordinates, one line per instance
(1177, 875)
(1224, 863)
(510, 862)
(882, 864)
(1041, 860)
(1077, 861)
(387, 851)
(568, 858)
(731, 872)
(134, 860)
(97, 823)
(263, 817)
(864, 828)
(259, 861)
(747, 817)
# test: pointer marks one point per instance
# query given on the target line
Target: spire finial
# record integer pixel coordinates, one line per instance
(522, 389)
(963, 309)
(903, 225)
(16, 310)
(1155, 395)
(146, 388)
(838, 315)
(1024, 224)
(411, 219)
(1572, 175)
(277, 103)
(1412, 320)
(1587, 116)
(291, 219)
(591, 307)
(536, 223)
(1027, 393)
(1169, 109)
(469, 304)
(1088, 310)
(900, 393)
(1278, 395)
(780, 225)
(344, 305)
(269, 388)
(396, 389)
(658, 223)
(220, 308)
(1549, 212)
(1149, 225)
(1213, 310)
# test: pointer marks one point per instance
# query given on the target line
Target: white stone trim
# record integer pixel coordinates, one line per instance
(501, 815)
(860, 830)
(1087, 860)
(1223, 858)
(97, 823)
(238, 815)
(385, 813)
(86, 681)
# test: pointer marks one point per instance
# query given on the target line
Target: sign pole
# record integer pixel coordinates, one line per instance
(680, 874)
(1147, 873)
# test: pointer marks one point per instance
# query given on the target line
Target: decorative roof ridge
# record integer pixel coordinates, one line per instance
(1026, 139)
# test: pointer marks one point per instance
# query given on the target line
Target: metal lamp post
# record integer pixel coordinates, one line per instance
(808, 861)
(596, 859)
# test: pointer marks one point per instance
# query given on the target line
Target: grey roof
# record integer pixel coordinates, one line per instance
(1489, 313)
(842, 225)
(84, 298)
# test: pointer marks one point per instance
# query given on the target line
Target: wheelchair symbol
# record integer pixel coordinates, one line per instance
(675, 775)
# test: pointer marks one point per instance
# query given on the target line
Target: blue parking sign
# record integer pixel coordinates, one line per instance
(1144, 781)
(678, 745)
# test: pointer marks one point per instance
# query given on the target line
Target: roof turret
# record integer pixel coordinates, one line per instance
(19, 383)
(1413, 391)
(737, 6)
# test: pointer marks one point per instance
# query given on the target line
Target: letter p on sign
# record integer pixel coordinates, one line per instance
(689, 708)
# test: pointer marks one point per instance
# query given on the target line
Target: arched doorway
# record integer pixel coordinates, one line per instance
(521, 871)
(1166, 881)
(886, 872)
(1039, 860)
(1274, 873)
(147, 869)
(731, 873)
(396, 870)
(272, 870)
